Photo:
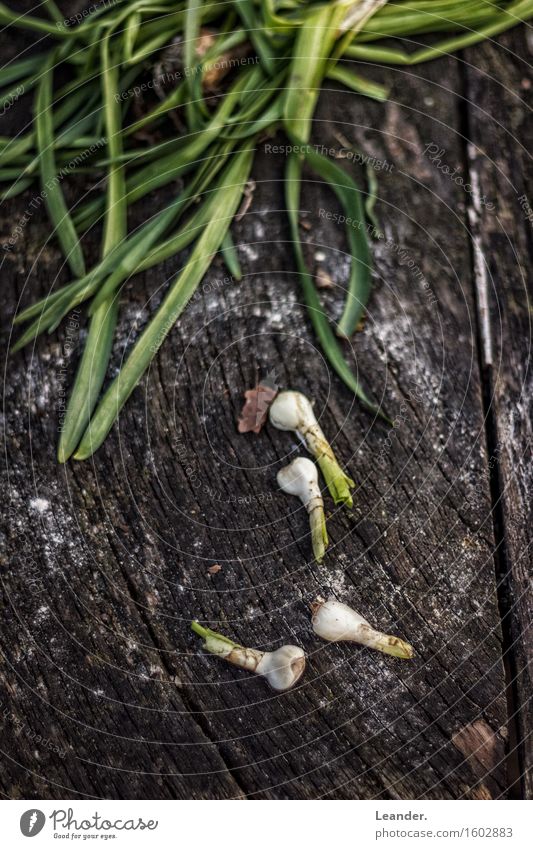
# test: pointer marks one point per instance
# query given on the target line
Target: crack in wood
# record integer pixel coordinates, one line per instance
(504, 582)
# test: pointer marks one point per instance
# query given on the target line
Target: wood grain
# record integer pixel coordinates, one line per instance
(499, 109)
(106, 562)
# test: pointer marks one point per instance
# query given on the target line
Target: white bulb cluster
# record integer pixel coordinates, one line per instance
(293, 411)
(300, 478)
(282, 668)
(331, 619)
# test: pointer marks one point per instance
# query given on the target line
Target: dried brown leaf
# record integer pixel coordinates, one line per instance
(255, 409)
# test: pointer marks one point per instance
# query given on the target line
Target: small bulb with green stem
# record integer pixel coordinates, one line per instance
(281, 668)
(336, 622)
(301, 478)
(293, 411)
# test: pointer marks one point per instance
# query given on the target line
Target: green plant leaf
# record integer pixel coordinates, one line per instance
(93, 365)
(50, 181)
(322, 328)
(347, 191)
(179, 294)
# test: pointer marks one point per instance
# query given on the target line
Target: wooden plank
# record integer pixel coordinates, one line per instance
(499, 128)
(100, 659)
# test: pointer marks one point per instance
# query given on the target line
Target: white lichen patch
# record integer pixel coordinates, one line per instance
(41, 505)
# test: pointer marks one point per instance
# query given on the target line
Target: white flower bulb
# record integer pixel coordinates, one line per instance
(337, 622)
(282, 668)
(293, 411)
(300, 478)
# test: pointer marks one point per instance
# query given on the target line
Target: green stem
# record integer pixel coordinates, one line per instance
(319, 534)
(89, 378)
(357, 83)
(360, 281)
(53, 11)
(173, 305)
(93, 366)
(338, 483)
(506, 18)
(321, 326)
(51, 189)
(198, 629)
(230, 257)
(213, 641)
(35, 24)
(312, 50)
(393, 646)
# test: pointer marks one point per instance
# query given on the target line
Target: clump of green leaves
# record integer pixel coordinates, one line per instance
(247, 67)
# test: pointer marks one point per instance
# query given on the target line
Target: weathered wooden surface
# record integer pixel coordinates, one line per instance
(501, 162)
(106, 562)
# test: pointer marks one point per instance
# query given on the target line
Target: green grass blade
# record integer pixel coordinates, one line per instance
(245, 129)
(49, 316)
(115, 227)
(193, 106)
(357, 83)
(67, 297)
(31, 332)
(15, 71)
(140, 255)
(82, 289)
(230, 257)
(69, 104)
(119, 261)
(175, 301)
(93, 365)
(312, 49)
(131, 31)
(348, 193)
(164, 170)
(139, 248)
(50, 182)
(505, 19)
(258, 36)
(35, 24)
(17, 147)
(322, 328)
(177, 163)
(185, 235)
(16, 189)
(53, 11)
(174, 99)
(89, 378)
(371, 199)
(39, 306)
